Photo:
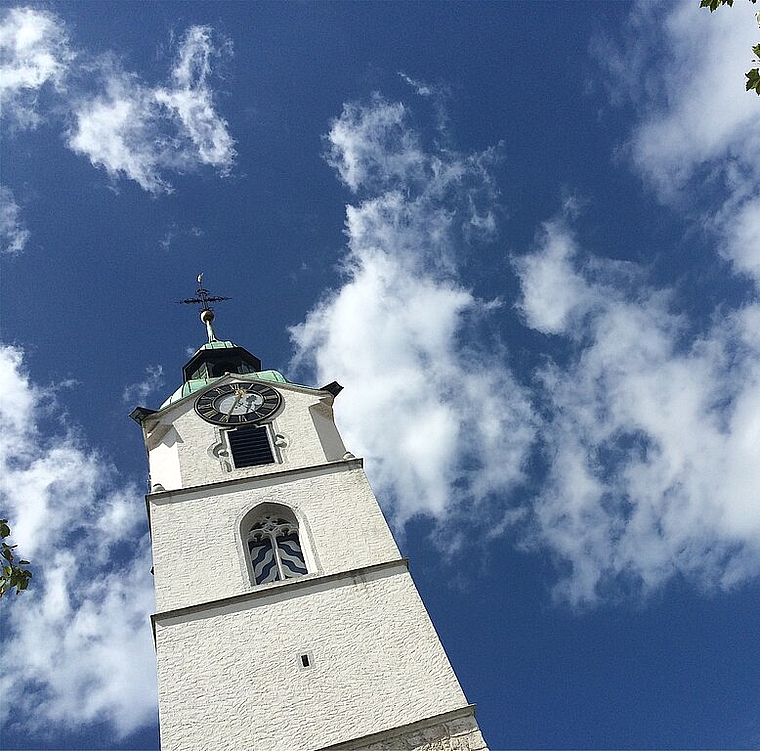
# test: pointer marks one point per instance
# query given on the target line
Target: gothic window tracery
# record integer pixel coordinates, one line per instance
(275, 550)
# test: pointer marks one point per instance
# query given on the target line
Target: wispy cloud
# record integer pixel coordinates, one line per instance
(422, 89)
(121, 124)
(650, 429)
(399, 332)
(695, 140)
(34, 51)
(190, 99)
(137, 393)
(644, 424)
(141, 132)
(13, 233)
(78, 648)
(371, 147)
(118, 129)
(174, 233)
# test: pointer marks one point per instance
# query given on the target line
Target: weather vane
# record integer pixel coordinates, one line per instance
(204, 299)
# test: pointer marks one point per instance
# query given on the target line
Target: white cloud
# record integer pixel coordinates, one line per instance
(650, 427)
(120, 123)
(700, 112)
(141, 132)
(422, 89)
(78, 647)
(119, 129)
(137, 393)
(191, 100)
(696, 140)
(738, 225)
(372, 144)
(652, 432)
(13, 234)
(34, 50)
(449, 426)
(554, 293)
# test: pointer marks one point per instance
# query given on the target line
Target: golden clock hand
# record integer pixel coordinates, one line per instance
(235, 403)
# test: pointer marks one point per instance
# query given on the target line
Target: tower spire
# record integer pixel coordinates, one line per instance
(203, 298)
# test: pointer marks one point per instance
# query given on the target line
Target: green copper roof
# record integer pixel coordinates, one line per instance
(216, 344)
(196, 384)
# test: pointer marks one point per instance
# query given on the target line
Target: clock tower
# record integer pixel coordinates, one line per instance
(286, 617)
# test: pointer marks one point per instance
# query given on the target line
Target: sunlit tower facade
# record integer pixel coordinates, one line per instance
(286, 618)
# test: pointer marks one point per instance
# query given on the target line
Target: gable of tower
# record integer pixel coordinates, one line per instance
(185, 450)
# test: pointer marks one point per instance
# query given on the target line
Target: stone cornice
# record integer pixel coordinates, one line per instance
(240, 483)
(278, 591)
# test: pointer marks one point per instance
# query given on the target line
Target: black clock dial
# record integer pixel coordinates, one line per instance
(238, 403)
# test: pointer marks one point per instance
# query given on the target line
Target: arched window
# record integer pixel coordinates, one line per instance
(275, 549)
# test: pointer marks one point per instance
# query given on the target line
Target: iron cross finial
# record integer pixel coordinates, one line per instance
(204, 299)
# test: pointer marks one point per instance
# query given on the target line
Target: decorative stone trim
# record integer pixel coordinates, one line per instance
(452, 731)
(270, 478)
(282, 589)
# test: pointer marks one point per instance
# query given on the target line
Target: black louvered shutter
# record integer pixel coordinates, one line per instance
(250, 446)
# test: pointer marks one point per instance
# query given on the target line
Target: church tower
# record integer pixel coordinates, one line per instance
(286, 617)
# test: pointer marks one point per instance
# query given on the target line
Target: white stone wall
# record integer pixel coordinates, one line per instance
(198, 551)
(193, 452)
(165, 454)
(231, 677)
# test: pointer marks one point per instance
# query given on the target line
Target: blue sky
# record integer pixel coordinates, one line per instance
(526, 240)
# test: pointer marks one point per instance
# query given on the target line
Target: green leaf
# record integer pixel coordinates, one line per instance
(753, 80)
(713, 5)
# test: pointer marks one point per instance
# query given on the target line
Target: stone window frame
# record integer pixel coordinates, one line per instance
(292, 518)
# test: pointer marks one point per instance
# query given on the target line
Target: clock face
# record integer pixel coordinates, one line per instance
(238, 403)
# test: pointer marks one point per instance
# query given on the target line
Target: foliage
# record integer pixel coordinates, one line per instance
(11, 575)
(753, 76)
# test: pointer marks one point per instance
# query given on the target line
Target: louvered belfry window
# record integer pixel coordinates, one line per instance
(275, 550)
(250, 447)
